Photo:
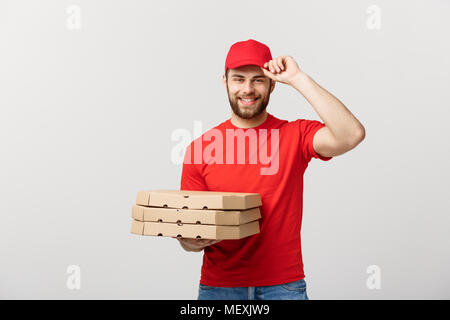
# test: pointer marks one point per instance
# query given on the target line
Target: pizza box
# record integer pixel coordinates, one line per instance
(198, 231)
(193, 216)
(183, 199)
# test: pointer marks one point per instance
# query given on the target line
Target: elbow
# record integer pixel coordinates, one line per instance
(360, 135)
(356, 139)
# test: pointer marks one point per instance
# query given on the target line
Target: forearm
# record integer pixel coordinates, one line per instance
(339, 120)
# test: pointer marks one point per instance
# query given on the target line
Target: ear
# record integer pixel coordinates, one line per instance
(224, 81)
(272, 86)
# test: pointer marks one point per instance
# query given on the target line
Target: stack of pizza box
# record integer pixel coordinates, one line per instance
(196, 214)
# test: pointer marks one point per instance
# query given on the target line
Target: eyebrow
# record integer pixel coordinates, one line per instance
(241, 76)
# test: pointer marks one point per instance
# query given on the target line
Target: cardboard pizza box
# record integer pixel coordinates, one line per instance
(216, 217)
(199, 231)
(183, 199)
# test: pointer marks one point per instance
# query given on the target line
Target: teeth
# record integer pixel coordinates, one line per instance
(248, 100)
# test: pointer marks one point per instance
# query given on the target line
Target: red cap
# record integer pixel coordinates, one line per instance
(247, 52)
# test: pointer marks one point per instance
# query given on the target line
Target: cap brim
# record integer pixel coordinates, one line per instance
(241, 63)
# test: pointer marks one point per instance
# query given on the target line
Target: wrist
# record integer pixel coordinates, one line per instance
(299, 79)
(300, 82)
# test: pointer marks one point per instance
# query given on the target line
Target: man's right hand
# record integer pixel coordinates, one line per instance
(195, 245)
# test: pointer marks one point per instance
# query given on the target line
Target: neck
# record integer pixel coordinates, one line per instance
(248, 123)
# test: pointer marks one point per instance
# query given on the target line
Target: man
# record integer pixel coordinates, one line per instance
(267, 265)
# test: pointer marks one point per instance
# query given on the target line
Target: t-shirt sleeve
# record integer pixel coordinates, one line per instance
(191, 178)
(308, 129)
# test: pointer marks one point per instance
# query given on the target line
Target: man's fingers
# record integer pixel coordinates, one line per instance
(210, 242)
(272, 66)
(207, 241)
(280, 62)
(265, 71)
(277, 64)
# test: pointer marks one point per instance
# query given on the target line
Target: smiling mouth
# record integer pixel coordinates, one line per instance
(248, 102)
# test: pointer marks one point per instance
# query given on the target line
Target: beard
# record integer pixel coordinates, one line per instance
(250, 111)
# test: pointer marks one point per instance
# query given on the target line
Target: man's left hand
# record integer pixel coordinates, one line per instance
(283, 69)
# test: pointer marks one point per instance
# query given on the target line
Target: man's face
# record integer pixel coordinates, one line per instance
(248, 90)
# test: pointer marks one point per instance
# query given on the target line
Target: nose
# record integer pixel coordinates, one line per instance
(248, 88)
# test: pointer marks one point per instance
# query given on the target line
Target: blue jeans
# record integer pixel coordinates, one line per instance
(295, 290)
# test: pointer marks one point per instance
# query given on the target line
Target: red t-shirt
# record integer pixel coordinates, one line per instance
(272, 256)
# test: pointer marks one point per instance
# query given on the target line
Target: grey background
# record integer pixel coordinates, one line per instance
(87, 116)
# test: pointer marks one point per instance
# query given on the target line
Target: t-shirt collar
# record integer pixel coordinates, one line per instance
(264, 125)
